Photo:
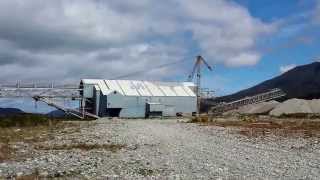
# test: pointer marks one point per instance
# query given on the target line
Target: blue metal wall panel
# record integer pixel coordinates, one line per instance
(135, 106)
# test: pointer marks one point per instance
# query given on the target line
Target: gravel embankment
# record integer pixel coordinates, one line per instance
(166, 149)
(297, 106)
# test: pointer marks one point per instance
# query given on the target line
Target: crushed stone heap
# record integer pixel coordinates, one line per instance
(261, 108)
(297, 106)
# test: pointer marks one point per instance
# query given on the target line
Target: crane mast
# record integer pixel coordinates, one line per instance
(197, 71)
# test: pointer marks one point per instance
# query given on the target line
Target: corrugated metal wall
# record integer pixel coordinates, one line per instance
(132, 97)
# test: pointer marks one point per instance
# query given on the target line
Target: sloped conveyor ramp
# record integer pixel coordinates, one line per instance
(73, 112)
(258, 98)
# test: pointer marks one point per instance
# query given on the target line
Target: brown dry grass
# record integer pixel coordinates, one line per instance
(31, 135)
(28, 177)
(254, 126)
(5, 152)
(200, 119)
(84, 147)
(34, 134)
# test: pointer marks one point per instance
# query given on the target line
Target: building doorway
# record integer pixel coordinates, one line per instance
(113, 112)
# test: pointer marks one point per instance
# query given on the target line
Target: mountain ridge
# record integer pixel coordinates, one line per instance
(300, 82)
(10, 111)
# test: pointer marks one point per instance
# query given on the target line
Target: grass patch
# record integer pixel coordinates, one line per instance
(10, 136)
(26, 120)
(28, 177)
(84, 147)
(34, 134)
(5, 152)
(31, 120)
(200, 119)
(300, 115)
(253, 126)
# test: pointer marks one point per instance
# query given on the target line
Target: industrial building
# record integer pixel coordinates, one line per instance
(137, 99)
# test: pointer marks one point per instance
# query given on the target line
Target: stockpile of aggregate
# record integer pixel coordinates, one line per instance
(261, 108)
(297, 106)
(274, 108)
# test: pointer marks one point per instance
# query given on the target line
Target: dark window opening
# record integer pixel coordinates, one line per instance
(113, 112)
(154, 114)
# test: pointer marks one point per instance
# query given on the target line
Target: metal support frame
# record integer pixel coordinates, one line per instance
(267, 96)
(47, 93)
(207, 93)
(197, 70)
(198, 93)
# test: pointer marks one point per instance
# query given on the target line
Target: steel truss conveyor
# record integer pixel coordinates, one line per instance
(47, 93)
(267, 96)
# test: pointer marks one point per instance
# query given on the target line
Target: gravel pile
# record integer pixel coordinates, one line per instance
(315, 105)
(166, 149)
(297, 106)
(261, 108)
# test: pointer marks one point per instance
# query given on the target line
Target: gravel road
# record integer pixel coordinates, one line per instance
(165, 149)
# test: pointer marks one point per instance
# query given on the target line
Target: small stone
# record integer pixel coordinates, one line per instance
(19, 174)
(44, 174)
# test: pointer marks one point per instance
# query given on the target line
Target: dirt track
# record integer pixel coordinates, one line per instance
(166, 148)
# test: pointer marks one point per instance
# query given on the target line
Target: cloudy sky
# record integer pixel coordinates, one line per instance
(247, 41)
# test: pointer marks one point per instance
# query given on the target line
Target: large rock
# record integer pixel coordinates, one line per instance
(294, 106)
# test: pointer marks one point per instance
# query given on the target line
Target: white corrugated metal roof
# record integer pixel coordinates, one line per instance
(191, 84)
(98, 83)
(104, 88)
(97, 87)
(154, 89)
(180, 91)
(128, 88)
(112, 84)
(90, 81)
(167, 90)
(142, 88)
(189, 91)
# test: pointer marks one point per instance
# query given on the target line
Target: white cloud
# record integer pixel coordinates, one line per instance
(226, 32)
(249, 59)
(69, 40)
(287, 68)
